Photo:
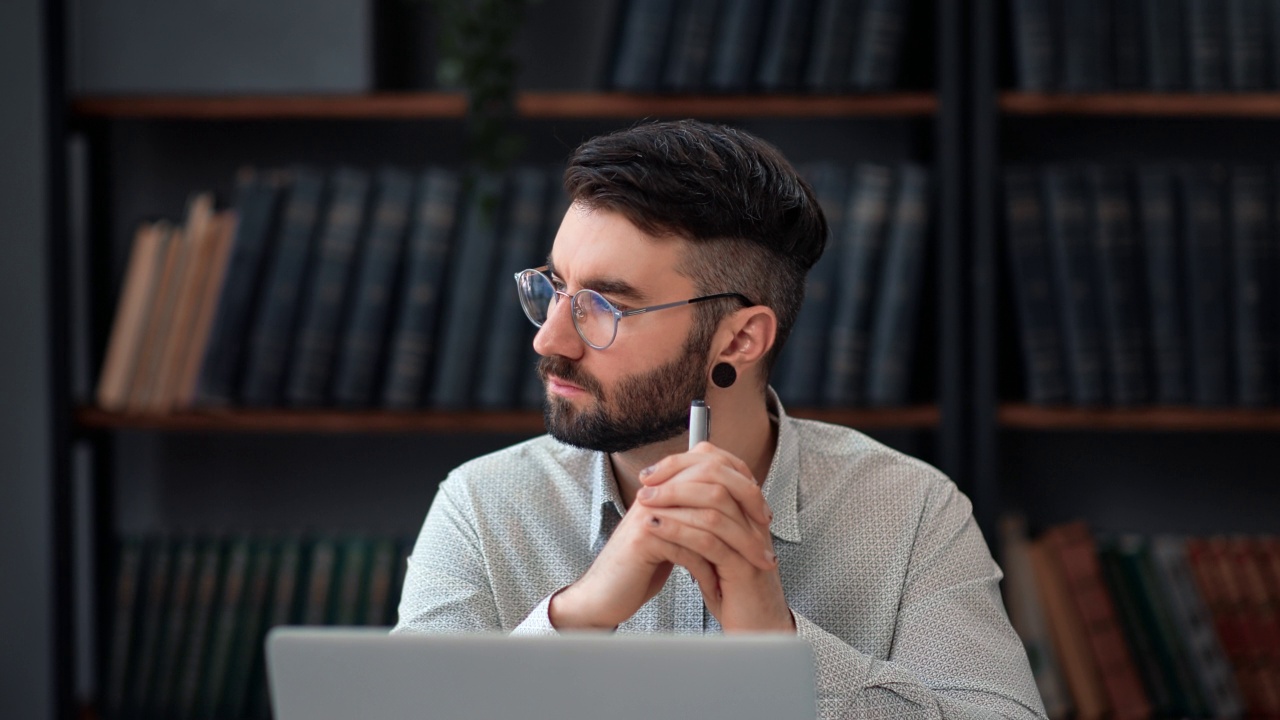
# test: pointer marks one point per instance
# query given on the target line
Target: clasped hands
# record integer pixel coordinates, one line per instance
(701, 510)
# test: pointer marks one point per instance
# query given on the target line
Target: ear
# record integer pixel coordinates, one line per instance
(746, 337)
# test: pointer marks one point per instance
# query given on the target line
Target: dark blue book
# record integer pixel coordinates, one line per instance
(1087, 48)
(413, 335)
(273, 324)
(693, 37)
(894, 328)
(257, 205)
(1034, 303)
(521, 247)
(467, 296)
(1206, 41)
(1071, 263)
(1253, 255)
(361, 350)
(835, 26)
(532, 391)
(738, 43)
(855, 285)
(1273, 43)
(1163, 42)
(642, 43)
(1035, 45)
(785, 48)
(327, 292)
(1158, 218)
(1247, 36)
(1126, 38)
(798, 374)
(1120, 287)
(1208, 306)
(877, 51)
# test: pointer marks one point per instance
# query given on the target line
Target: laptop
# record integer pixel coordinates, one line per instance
(348, 673)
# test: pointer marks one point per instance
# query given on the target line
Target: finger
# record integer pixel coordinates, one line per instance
(701, 570)
(672, 464)
(744, 491)
(708, 495)
(709, 534)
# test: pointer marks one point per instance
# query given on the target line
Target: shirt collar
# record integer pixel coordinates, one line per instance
(781, 485)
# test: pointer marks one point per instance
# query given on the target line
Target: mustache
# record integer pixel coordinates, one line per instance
(568, 371)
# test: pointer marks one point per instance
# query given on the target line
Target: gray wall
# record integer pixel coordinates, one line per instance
(25, 521)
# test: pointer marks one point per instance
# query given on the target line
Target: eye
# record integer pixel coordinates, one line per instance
(557, 283)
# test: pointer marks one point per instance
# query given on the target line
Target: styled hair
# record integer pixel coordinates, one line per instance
(753, 224)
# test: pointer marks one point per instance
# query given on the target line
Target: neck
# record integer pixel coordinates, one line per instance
(739, 424)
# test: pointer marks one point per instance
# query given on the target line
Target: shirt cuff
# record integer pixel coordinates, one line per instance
(538, 621)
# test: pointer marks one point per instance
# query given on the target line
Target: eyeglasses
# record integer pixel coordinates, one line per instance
(595, 318)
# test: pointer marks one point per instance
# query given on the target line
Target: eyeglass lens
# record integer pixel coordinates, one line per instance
(593, 316)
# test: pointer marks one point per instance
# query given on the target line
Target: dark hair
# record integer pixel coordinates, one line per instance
(754, 224)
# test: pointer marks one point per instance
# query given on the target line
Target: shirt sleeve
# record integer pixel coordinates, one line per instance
(954, 653)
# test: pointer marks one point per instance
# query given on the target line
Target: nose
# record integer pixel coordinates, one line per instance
(558, 336)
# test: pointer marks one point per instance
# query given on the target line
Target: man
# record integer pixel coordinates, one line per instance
(676, 275)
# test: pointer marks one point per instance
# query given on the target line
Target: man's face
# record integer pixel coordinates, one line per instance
(636, 391)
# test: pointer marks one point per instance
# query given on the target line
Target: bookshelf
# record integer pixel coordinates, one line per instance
(1169, 105)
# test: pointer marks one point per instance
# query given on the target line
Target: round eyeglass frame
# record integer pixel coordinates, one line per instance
(577, 314)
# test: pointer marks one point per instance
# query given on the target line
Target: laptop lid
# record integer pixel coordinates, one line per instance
(345, 673)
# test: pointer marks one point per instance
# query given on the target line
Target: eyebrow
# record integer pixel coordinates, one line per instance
(614, 287)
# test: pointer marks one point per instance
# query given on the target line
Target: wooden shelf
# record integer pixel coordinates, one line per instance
(1158, 419)
(465, 421)
(530, 105)
(1259, 105)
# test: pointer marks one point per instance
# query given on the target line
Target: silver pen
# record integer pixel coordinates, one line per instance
(699, 422)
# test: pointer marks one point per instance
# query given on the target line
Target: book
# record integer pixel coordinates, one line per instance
(1120, 291)
(350, 580)
(214, 262)
(194, 666)
(1071, 232)
(1246, 45)
(127, 602)
(1027, 615)
(1035, 45)
(308, 376)
(1164, 288)
(271, 337)
(1258, 617)
(1127, 44)
(469, 272)
(413, 335)
(360, 352)
(877, 51)
(377, 606)
(505, 326)
(257, 206)
(232, 700)
(1206, 282)
(1066, 627)
(1028, 252)
(144, 679)
(177, 623)
(135, 305)
(734, 60)
(1209, 567)
(1075, 552)
(318, 596)
(1165, 53)
(803, 360)
(147, 368)
(693, 37)
(1253, 287)
(855, 285)
(894, 326)
(835, 26)
(1086, 61)
(229, 613)
(1206, 40)
(783, 52)
(1139, 634)
(288, 594)
(642, 43)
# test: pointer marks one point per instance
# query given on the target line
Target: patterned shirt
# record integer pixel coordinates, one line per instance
(882, 564)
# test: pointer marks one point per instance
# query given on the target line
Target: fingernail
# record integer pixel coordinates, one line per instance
(646, 493)
(648, 471)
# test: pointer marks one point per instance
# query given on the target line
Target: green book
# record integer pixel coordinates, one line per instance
(128, 600)
(229, 611)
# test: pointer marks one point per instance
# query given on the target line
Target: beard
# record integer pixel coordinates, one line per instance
(642, 409)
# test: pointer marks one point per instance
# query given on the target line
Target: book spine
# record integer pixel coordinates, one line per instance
(641, 49)
(504, 351)
(221, 238)
(123, 652)
(835, 37)
(1034, 45)
(693, 38)
(257, 205)
(361, 348)
(287, 606)
(312, 364)
(782, 55)
(426, 255)
(1253, 258)
(159, 572)
(177, 624)
(1206, 278)
(895, 327)
(321, 567)
(1041, 339)
(737, 48)
(1163, 33)
(352, 578)
(1086, 46)
(132, 310)
(1126, 40)
(1206, 36)
(455, 374)
(855, 285)
(270, 340)
(233, 699)
(377, 610)
(1156, 201)
(196, 666)
(1246, 42)
(878, 49)
(143, 385)
(1071, 262)
(230, 611)
(1137, 632)
(1116, 252)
